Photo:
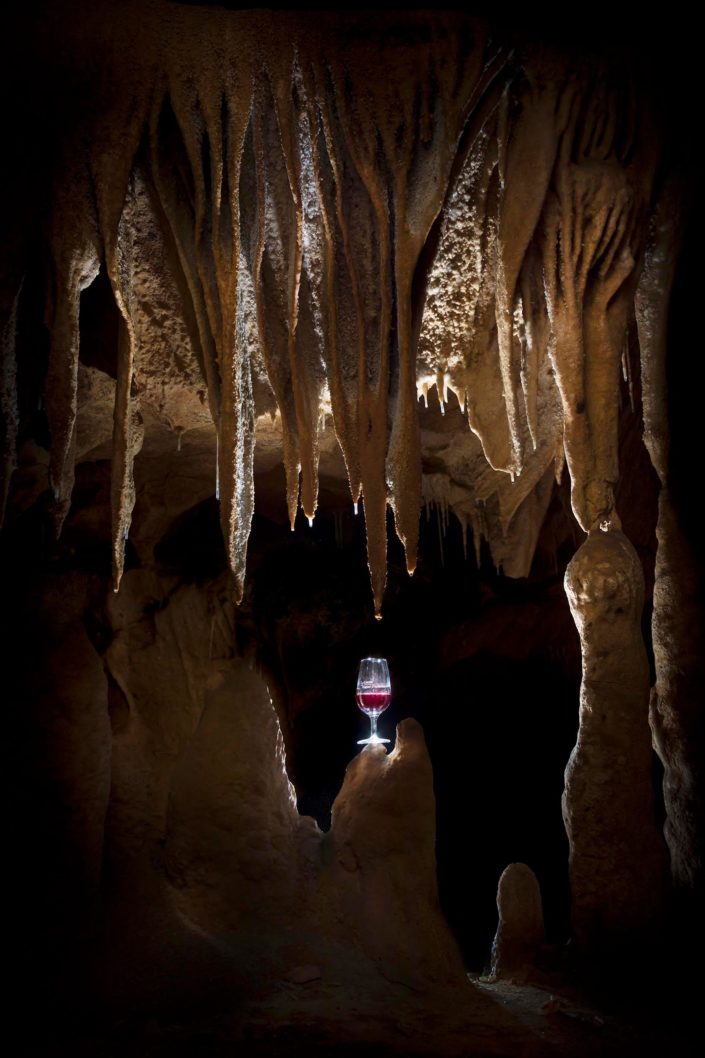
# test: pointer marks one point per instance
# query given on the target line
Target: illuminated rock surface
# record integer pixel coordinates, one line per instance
(617, 859)
(520, 930)
(261, 244)
(268, 268)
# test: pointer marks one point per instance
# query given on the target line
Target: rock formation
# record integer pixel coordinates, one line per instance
(520, 930)
(676, 712)
(259, 261)
(617, 859)
(383, 821)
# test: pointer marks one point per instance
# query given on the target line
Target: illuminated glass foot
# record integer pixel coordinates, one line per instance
(373, 740)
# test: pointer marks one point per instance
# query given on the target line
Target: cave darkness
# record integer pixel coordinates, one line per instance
(489, 664)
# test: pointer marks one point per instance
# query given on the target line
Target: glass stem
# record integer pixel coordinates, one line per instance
(373, 725)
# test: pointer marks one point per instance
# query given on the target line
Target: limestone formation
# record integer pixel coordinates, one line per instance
(617, 857)
(403, 259)
(520, 930)
(677, 715)
(322, 239)
(202, 832)
(677, 720)
(231, 826)
(241, 861)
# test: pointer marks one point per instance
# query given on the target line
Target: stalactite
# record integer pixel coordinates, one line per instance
(113, 179)
(337, 290)
(75, 249)
(237, 419)
(676, 710)
(527, 145)
(458, 331)
(169, 170)
(303, 310)
(338, 529)
(617, 858)
(592, 229)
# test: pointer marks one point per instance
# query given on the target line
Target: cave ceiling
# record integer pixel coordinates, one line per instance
(395, 249)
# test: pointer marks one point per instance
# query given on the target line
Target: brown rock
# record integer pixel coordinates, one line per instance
(230, 842)
(617, 856)
(520, 930)
(302, 975)
(381, 886)
(262, 260)
(677, 699)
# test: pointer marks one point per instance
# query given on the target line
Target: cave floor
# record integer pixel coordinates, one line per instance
(316, 1019)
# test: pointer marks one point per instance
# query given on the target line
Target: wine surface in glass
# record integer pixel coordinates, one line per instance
(373, 702)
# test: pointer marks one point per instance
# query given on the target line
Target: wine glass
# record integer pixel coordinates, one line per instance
(374, 690)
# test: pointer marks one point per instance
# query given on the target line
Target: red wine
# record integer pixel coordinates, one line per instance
(373, 702)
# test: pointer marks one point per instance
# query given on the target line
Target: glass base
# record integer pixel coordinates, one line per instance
(373, 740)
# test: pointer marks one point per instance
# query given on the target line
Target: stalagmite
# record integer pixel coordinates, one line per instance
(247, 222)
(127, 435)
(301, 229)
(617, 858)
(76, 262)
(520, 930)
(677, 715)
(9, 413)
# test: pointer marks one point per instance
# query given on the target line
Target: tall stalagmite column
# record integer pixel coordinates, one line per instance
(617, 857)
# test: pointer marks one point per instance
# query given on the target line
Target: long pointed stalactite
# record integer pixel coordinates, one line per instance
(9, 419)
(676, 709)
(308, 200)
